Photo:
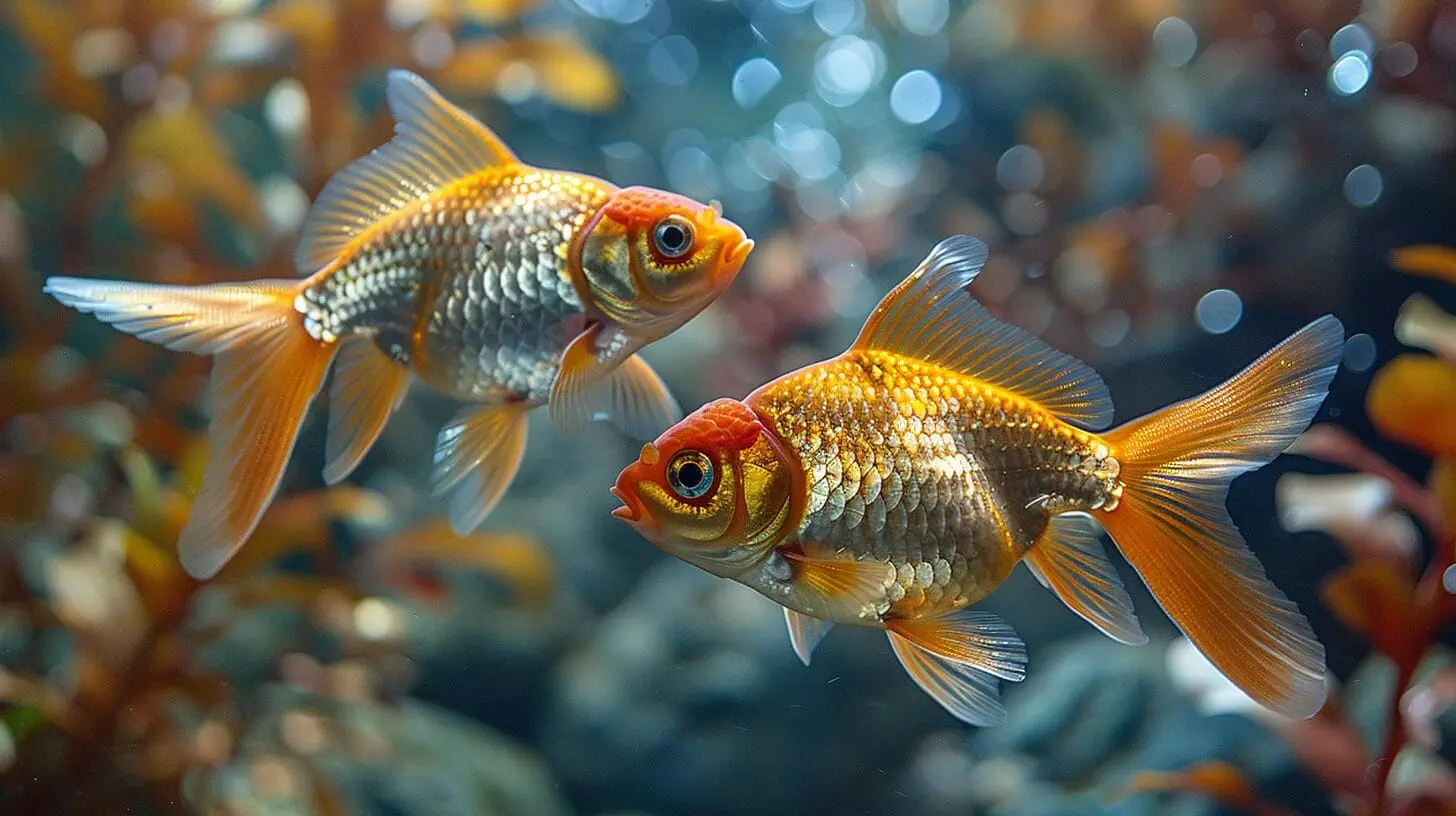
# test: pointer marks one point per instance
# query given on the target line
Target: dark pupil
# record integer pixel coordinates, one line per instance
(690, 475)
(673, 238)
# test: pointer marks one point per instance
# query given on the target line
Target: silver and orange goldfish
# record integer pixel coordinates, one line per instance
(442, 257)
(899, 483)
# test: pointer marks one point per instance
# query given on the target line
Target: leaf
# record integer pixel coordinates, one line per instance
(1423, 324)
(184, 143)
(164, 588)
(1330, 443)
(1412, 400)
(1217, 780)
(310, 23)
(520, 562)
(556, 66)
(1331, 750)
(1429, 260)
(572, 75)
(1370, 597)
(50, 29)
(301, 523)
(494, 12)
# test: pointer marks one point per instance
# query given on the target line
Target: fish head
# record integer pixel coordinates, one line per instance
(653, 259)
(718, 489)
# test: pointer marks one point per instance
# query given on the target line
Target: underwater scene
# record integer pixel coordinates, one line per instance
(654, 407)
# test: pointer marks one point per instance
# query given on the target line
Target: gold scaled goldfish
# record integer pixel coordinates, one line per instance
(897, 484)
(442, 257)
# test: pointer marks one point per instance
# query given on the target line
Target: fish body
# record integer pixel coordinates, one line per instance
(896, 484)
(946, 478)
(439, 257)
(469, 288)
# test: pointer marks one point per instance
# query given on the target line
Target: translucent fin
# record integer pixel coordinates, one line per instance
(601, 378)
(838, 584)
(930, 316)
(435, 143)
(267, 372)
(978, 639)
(637, 400)
(1069, 561)
(478, 454)
(956, 660)
(367, 388)
(1174, 529)
(805, 632)
(196, 319)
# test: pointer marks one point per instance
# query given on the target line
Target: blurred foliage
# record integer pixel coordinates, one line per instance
(1123, 158)
(1381, 594)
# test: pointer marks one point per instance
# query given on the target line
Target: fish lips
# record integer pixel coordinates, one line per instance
(631, 509)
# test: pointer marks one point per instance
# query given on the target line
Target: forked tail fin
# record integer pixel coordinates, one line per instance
(1172, 525)
(267, 372)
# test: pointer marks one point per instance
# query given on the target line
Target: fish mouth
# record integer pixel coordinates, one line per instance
(631, 509)
(736, 256)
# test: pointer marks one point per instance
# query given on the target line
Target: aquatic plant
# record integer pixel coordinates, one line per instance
(117, 688)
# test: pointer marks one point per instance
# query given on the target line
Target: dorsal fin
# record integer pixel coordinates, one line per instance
(434, 144)
(930, 316)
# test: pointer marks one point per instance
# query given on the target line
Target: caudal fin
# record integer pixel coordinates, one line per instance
(1172, 525)
(267, 372)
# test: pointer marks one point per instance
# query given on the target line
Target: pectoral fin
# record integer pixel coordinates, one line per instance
(835, 588)
(600, 377)
(805, 633)
(956, 659)
(1070, 562)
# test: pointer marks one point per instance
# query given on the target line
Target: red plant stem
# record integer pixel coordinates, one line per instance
(1395, 734)
(1436, 610)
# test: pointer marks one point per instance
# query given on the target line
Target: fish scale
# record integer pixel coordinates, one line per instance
(960, 468)
(483, 276)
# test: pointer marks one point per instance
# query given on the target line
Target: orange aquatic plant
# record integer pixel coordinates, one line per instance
(1381, 594)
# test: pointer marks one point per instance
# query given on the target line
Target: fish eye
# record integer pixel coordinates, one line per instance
(673, 236)
(690, 474)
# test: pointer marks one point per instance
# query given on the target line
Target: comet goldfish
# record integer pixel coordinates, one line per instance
(442, 257)
(897, 484)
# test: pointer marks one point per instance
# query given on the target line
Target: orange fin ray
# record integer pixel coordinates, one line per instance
(957, 658)
(805, 632)
(435, 143)
(1174, 529)
(593, 384)
(1069, 561)
(477, 455)
(195, 319)
(834, 587)
(367, 388)
(979, 639)
(931, 316)
(267, 372)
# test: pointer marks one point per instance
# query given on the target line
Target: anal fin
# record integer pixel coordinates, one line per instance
(367, 388)
(805, 632)
(1069, 561)
(477, 455)
(956, 659)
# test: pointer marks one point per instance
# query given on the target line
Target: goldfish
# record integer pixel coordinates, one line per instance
(439, 257)
(897, 484)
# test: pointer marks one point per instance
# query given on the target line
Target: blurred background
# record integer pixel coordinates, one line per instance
(1168, 187)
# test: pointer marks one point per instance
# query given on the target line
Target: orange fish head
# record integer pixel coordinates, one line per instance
(718, 489)
(654, 259)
